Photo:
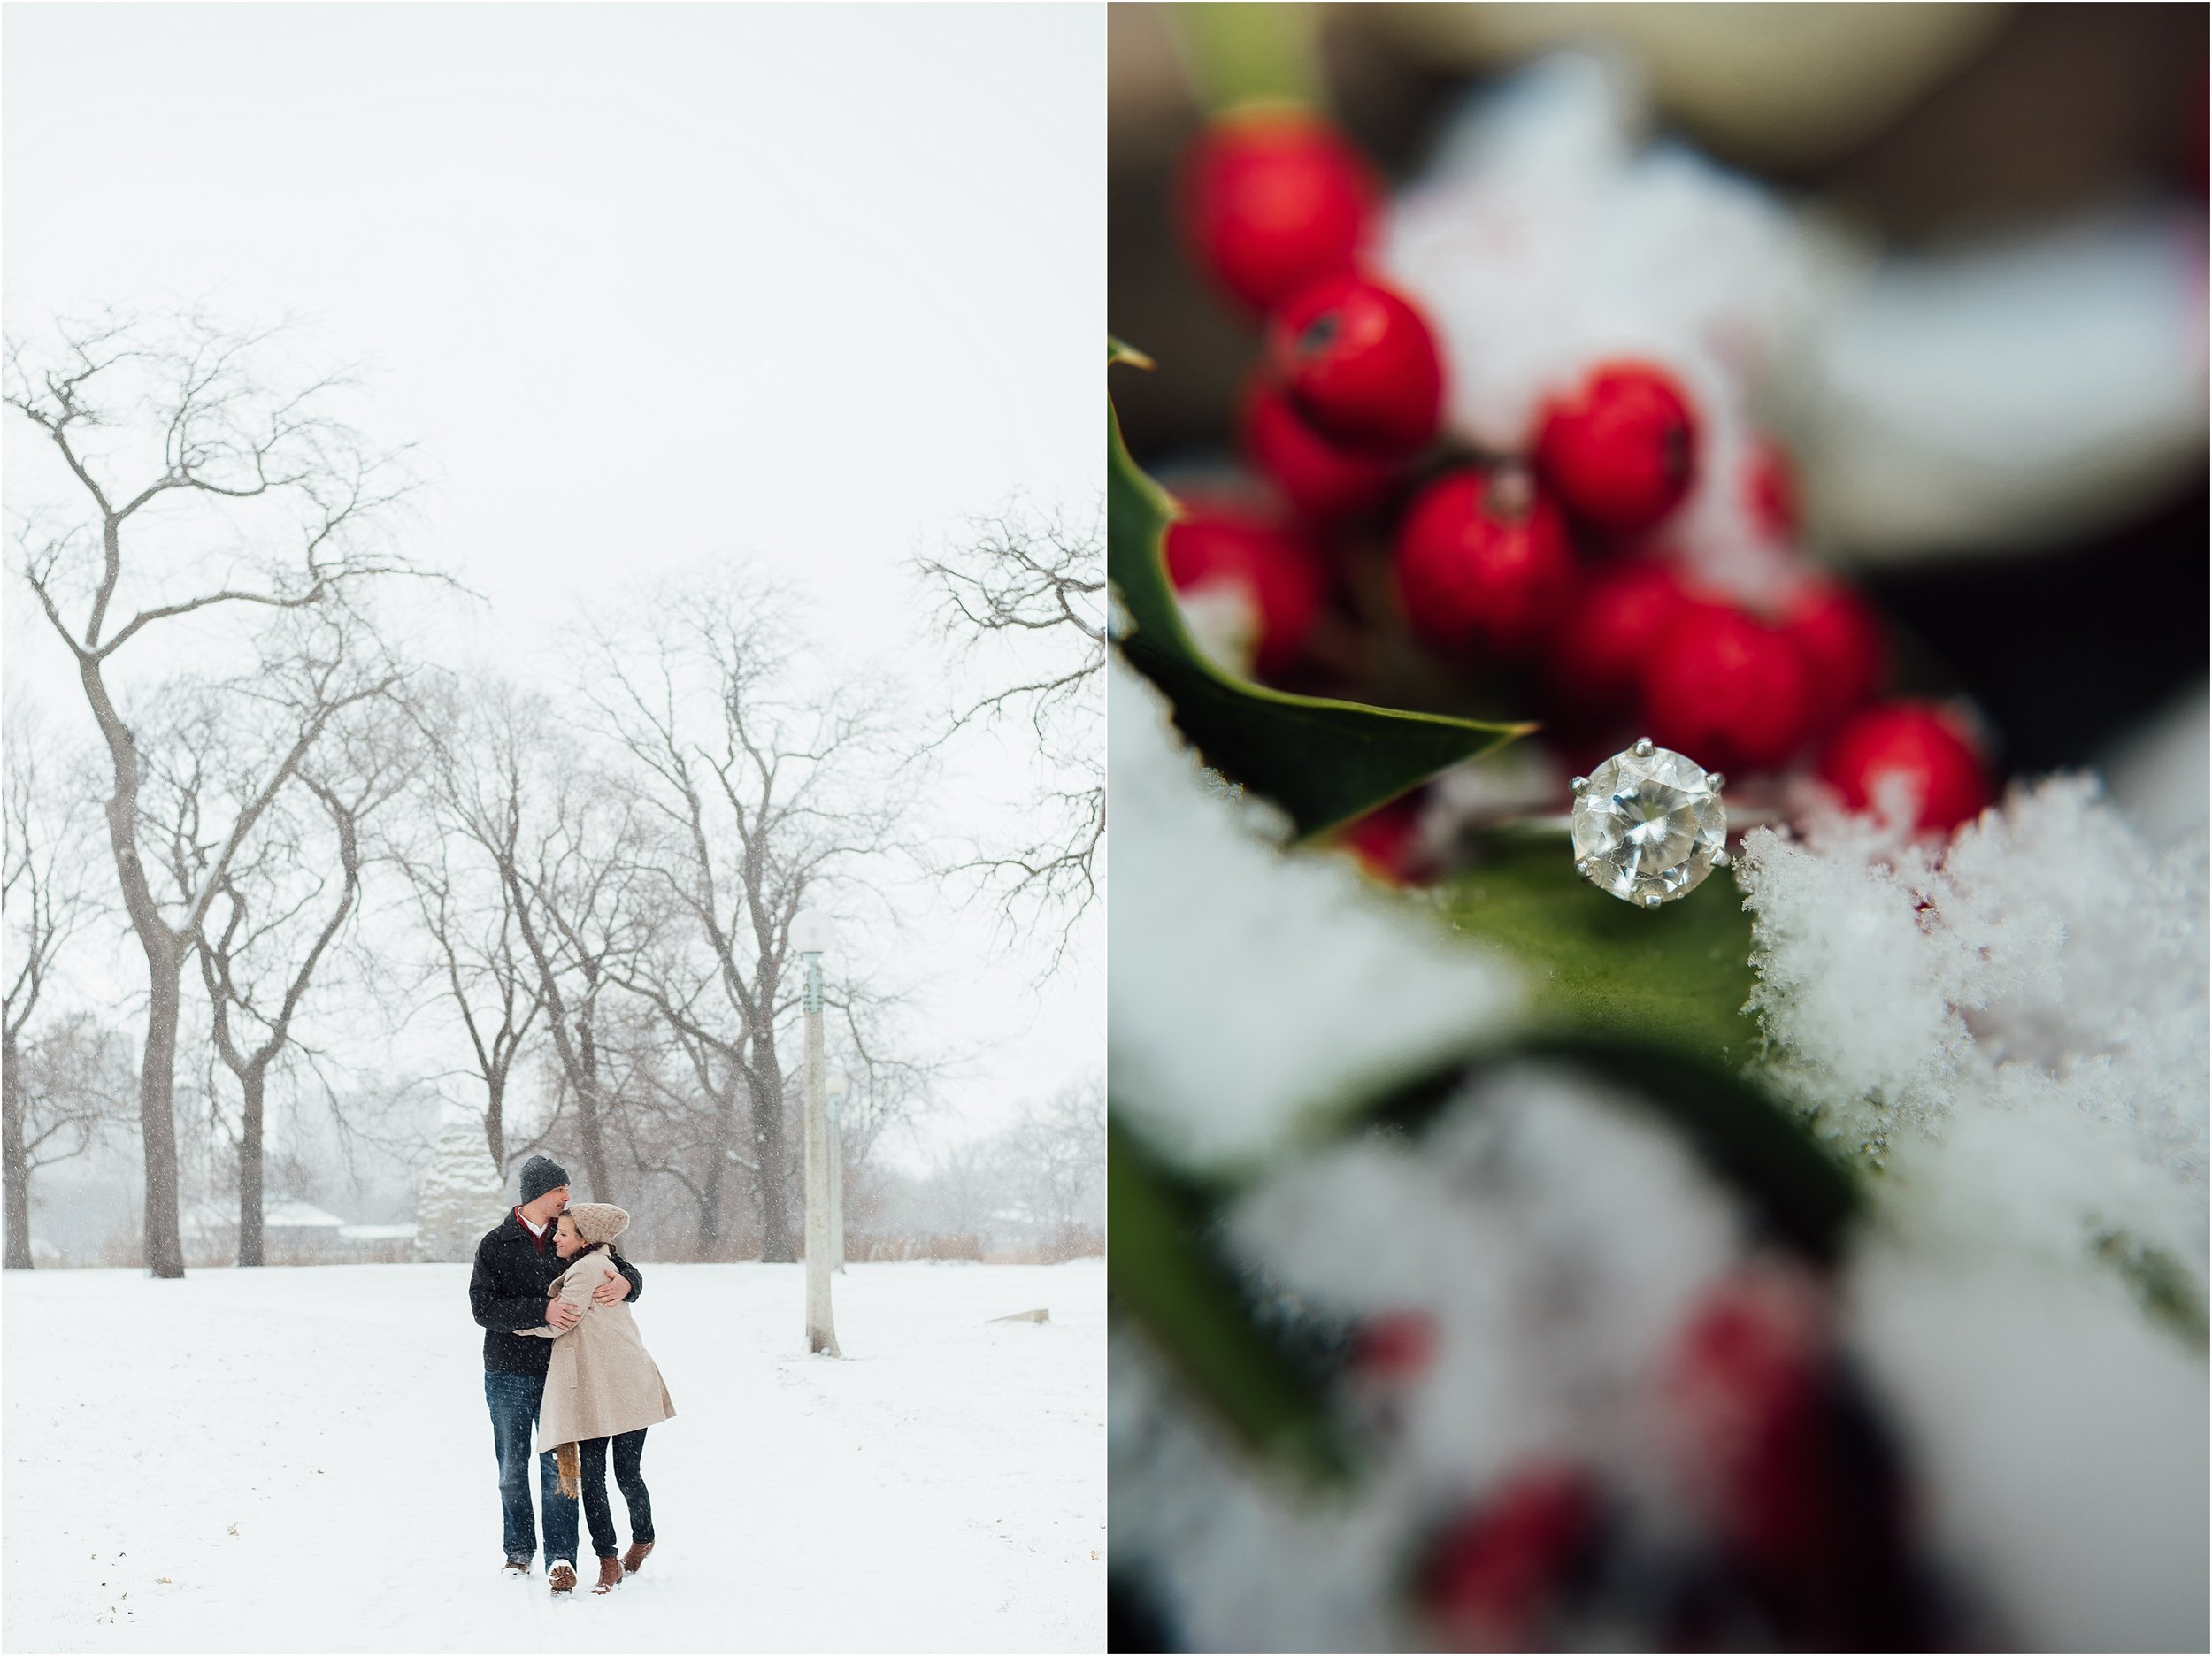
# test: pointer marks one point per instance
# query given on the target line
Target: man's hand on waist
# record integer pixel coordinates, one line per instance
(561, 1314)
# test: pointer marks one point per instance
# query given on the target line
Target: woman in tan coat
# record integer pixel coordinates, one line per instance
(602, 1388)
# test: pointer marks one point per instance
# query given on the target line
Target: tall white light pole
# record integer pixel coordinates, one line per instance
(840, 1089)
(810, 936)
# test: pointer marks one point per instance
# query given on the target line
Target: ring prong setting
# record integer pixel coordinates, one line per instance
(1648, 824)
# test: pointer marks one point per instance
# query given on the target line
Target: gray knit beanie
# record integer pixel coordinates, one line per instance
(541, 1174)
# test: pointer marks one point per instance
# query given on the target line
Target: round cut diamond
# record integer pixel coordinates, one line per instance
(1648, 826)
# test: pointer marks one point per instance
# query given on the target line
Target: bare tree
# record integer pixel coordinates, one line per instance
(48, 899)
(1026, 593)
(281, 906)
(211, 484)
(479, 968)
(754, 791)
(72, 1086)
(559, 843)
(1057, 1150)
(480, 735)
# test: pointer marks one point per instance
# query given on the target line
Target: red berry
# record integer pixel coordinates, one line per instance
(1839, 639)
(1770, 491)
(1274, 572)
(1483, 564)
(1386, 841)
(1272, 199)
(1746, 1393)
(1726, 689)
(1360, 363)
(1395, 1346)
(1913, 749)
(1620, 451)
(1323, 480)
(1613, 623)
(1487, 1578)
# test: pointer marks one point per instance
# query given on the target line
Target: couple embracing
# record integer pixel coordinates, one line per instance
(562, 1352)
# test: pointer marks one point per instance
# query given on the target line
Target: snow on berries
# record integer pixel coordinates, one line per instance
(1273, 198)
(1907, 759)
(1251, 589)
(1483, 564)
(1360, 363)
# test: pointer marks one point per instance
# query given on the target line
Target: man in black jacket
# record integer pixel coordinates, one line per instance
(515, 1264)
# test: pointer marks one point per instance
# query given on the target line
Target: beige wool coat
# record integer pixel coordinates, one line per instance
(602, 1381)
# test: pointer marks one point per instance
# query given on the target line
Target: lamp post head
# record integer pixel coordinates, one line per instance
(811, 932)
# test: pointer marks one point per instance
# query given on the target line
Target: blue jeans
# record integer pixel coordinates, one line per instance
(514, 1400)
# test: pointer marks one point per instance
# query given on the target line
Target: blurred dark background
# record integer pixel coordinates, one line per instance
(1918, 125)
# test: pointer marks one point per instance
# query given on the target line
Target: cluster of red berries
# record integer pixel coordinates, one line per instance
(1552, 563)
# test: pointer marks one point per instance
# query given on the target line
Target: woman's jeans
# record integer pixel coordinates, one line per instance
(514, 1400)
(629, 1456)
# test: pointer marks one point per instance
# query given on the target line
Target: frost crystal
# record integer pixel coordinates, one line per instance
(2017, 1028)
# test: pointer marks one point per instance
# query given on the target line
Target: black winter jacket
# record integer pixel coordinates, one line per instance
(507, 1292)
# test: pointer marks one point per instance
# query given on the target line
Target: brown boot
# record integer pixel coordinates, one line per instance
(609, 1574)
(562, 1579)
(635, 1556)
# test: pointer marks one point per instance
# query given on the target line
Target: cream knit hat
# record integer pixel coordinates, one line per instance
(598, 1221)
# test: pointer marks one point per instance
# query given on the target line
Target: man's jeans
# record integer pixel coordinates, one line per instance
(514, 1403)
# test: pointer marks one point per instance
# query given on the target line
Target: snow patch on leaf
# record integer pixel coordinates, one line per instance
(1255, 988)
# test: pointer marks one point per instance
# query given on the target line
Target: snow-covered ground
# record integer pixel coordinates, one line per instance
(300, 1460)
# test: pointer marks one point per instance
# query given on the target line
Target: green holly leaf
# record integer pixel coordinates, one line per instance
(1676, 976)
(1166, 1273)
(1322, 761)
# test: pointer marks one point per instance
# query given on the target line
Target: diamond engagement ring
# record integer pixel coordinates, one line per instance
(1648, 824)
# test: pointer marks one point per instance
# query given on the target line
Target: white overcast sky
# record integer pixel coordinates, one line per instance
(647, 282)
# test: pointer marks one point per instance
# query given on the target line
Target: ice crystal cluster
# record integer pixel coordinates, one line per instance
(2011, 1028)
